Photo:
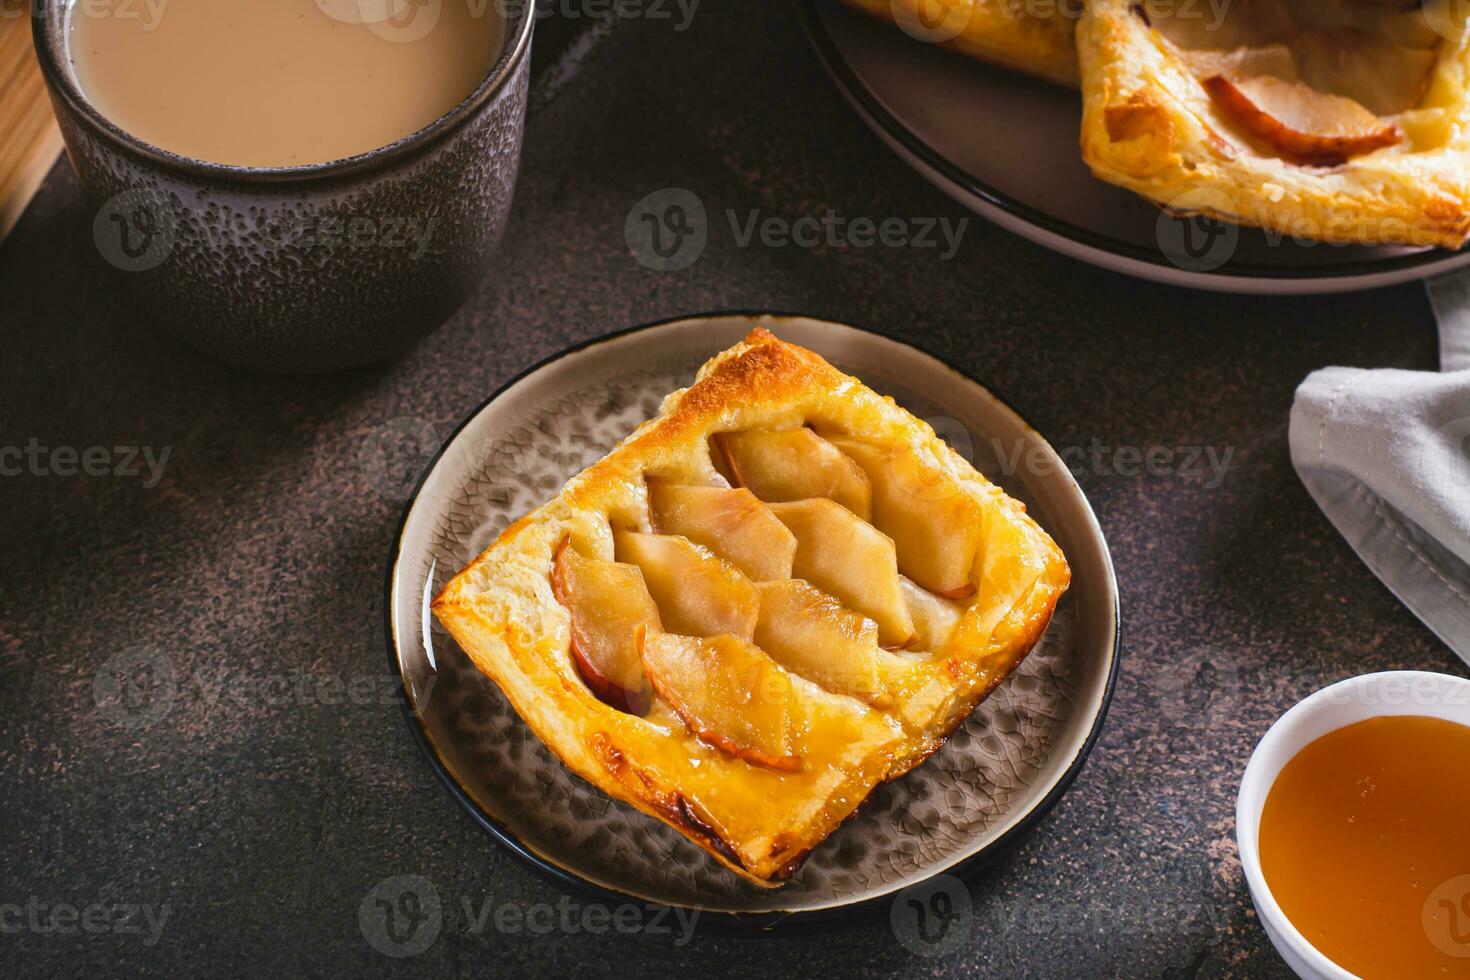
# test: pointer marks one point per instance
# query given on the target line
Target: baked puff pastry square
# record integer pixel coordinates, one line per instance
(1030, 36)
(1329, 120)
(769, 599)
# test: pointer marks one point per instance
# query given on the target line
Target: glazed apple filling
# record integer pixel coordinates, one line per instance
(1310, 81)
(825, 559)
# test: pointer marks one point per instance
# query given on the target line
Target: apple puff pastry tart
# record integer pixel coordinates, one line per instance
(1328, 120)
(1030, 36)
(778, 593)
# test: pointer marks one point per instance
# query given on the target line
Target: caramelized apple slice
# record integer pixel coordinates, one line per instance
(1300, 122)
(607, 602)
(698, 594)
(793, 464)
(728, 692)
(1380, 53)
(731, 523)
(934, 616)
(810, 634)
(934, 523)
(850, 559)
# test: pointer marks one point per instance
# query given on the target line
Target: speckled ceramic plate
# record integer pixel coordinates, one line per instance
(1002, 769)
(941, 112)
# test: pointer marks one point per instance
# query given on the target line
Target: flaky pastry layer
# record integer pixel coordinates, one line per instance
(1150, 125)
(757, 821)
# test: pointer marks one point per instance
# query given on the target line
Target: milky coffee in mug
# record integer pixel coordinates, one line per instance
(279, 83)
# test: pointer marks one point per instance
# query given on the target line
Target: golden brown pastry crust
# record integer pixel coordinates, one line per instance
(758, 822)
(1030, 36)
(1149, 125)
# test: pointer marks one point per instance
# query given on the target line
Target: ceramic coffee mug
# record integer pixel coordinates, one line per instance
(310, 268)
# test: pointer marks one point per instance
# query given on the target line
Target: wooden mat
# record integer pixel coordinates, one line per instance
(29, 139)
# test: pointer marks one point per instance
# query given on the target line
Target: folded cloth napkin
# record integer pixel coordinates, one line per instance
(1386, 455)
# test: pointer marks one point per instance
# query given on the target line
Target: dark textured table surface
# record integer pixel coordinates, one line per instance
(249, 823)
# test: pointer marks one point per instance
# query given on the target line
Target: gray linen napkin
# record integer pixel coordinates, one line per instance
(1386, 455)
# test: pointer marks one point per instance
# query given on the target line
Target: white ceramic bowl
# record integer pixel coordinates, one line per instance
(1398, 692)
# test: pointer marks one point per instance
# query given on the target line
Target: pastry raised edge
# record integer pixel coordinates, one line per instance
(1149, 125)
(502, 611)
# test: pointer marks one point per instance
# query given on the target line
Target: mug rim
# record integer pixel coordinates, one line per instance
(1261, 773)
(520, 20)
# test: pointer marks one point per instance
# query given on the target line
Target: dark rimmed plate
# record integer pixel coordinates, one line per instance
(999, 773)
(1006, 147)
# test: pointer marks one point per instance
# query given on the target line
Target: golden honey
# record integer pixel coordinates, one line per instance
(1365, 844)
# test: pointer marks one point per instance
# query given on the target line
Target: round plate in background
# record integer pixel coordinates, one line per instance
(1000, 771)
(1005, 146)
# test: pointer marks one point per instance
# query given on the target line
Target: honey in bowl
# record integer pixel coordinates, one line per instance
(279, 83)
(1365, 844)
